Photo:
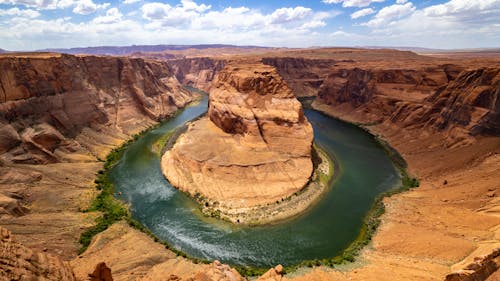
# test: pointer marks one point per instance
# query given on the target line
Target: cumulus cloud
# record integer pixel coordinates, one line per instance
(191, 15)
(181, 14)
(40, 4)
(285, 15)
(466, 11)
(390, 13)
(130, 1)
(352, 3)
(113, 15)
(455, 23)
(85, 7)
(401, 1)
(189, 5)
(362, 13)
(20, 13)
(155, 11)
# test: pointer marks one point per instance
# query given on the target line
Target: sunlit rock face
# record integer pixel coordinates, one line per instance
(253, 148)
(65, 108)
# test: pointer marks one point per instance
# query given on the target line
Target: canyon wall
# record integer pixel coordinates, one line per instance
(60, 115)
(303, 75)
(69, 108)
(442, 98)
(197, 72)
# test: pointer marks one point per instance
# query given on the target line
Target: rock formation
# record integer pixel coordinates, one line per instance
(197, 72)
(256, 146)
(55, 107)
(133, 255)
(20, 263)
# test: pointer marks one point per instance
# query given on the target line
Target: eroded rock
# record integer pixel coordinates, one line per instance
(253, 149)
(21, 263)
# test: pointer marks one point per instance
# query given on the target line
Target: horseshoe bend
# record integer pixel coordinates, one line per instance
(88, 193)
(256, 147)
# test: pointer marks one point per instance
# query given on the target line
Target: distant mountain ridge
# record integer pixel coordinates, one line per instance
(126, 50)
(433, 50)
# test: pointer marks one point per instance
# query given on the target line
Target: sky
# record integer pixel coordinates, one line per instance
(446, 24)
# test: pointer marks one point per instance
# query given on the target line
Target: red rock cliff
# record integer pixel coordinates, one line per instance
(66, 108)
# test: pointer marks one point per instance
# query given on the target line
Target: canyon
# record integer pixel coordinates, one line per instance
(62, 114)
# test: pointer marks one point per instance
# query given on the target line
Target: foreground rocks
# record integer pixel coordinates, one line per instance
(20, 263)
(254, 148)
(132, 255)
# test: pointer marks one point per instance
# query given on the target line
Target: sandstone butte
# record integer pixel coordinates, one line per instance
(442, 114)
(256, 142)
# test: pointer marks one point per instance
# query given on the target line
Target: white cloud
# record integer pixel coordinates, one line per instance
(362, 13)
(155, 11)
(352, 3)
(113, 15)
(466, 11)
(189, 5)
(286, 15)
(130, 1)
(28, 13)
(401, 1)
(454, 24)
(449, 25)
(191, 15)
(313, 24)
(40, 4)
(181, 14)
(391, 13)
(85, 7)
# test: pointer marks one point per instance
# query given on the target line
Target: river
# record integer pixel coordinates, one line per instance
(364, 171)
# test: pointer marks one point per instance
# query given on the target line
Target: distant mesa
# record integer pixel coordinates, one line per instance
(253, 148)
(127, 50)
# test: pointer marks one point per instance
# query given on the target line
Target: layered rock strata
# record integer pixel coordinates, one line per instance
(59, 115)
(256, 142)
(20, 263)
(63, 108)
(197, 72)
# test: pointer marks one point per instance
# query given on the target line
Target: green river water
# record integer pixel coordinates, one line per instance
(325, 230)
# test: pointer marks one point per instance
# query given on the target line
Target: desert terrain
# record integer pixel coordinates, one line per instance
(61, 115)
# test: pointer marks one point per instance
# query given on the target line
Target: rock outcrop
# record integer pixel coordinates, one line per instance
(304, 76)
(471, 101)
(256, 146)
(479, 269)
(133, 255)
(56, 107)
(20, 263)
(441, 99)
(197, 72)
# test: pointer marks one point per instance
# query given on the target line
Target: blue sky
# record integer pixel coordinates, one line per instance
(37, 24)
